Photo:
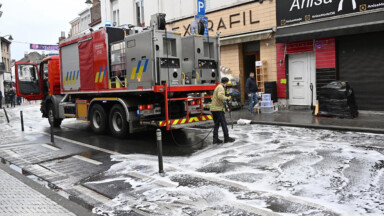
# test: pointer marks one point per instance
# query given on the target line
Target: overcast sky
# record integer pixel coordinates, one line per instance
(37, 21)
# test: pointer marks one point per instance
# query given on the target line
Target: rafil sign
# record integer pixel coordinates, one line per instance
(295, 11)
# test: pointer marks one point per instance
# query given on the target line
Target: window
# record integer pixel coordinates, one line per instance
(116, 18)
(140, 13)
(27, 73)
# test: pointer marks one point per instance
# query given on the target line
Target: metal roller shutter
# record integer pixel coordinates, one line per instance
(361, 63)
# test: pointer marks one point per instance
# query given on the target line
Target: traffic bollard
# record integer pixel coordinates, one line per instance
(6, 114)
(160, 151)
(22, 120)
(52, 136)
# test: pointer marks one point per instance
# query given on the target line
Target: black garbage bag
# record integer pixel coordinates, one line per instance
(337, 99)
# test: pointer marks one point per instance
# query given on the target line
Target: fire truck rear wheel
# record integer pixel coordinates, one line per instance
(56, 122)
(118, 121)
(98, 118)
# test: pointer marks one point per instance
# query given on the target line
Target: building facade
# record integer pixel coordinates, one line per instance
(246, 29)
(322, 41)
(5, 63)
(88, 18)
(75, 26)
(247, 32)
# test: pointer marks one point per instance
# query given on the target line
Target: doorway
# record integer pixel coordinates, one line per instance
(302, 72)
(249, 66)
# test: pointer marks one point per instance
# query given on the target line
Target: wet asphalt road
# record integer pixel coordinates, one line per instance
(175, 143)
(269, 170)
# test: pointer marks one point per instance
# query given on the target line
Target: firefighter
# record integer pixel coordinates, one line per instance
(218, 108)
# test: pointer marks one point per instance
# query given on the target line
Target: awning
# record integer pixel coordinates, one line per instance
(247, 37)
(350, 25)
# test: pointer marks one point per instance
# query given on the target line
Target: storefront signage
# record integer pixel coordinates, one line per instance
(7, 76)
(43, 47)
(295, 11)
(243, 18)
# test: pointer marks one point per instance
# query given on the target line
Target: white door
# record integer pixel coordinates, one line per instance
(301, 75)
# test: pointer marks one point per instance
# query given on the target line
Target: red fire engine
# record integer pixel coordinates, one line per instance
(124, 80)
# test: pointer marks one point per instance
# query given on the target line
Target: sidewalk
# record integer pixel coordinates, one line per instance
(366, 122)
(22, 196)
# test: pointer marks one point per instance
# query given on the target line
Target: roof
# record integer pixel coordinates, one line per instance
(3, 39)
(74, 20)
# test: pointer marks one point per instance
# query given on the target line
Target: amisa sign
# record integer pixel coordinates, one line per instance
(295, 11)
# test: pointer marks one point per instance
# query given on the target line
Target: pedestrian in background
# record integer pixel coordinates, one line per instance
(1, 99)
(218, 112)
(13, 97)
(251, 87)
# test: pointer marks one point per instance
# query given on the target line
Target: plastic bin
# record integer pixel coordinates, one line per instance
(268, 109)
(266, 103)
(266, 97)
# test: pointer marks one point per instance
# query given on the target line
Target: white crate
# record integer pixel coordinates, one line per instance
(269, 109)
(266, 97)
(266, 103)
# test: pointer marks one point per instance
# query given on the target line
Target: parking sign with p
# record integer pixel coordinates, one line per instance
(201, 7)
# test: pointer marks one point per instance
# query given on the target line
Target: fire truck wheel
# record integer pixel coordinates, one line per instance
(118, 121)
(56, 122)
(98, 118)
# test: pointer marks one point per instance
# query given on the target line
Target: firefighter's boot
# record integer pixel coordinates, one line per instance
(217, 141)
(229, 139)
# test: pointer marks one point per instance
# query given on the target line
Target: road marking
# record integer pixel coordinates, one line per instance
(157, 181)
(92, 194)
(82, 144)
(50, 147)
(87, 160)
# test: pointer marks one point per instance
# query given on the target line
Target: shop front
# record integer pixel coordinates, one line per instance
(322, 41)
(247, 38)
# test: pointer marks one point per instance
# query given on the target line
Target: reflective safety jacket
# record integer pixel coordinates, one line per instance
(218, 99)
